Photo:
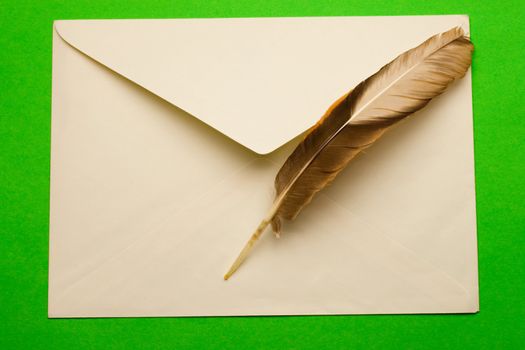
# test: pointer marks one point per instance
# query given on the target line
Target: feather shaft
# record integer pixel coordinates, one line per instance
(247, 248)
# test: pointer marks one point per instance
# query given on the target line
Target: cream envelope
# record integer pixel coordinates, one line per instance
(166, 137)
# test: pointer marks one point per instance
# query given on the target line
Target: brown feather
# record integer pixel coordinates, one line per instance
(358, 119)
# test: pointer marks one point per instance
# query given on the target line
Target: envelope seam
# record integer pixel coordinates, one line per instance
(156, 229)
(413, 253)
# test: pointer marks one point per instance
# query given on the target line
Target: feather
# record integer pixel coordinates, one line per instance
(358, 119)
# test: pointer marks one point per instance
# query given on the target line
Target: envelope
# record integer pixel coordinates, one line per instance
(166, 138)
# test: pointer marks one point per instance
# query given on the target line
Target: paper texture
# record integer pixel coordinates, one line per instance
(150, 204)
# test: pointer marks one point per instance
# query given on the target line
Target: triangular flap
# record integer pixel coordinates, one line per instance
(259, 81)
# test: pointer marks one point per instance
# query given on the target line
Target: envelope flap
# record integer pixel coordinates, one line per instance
(259, 81)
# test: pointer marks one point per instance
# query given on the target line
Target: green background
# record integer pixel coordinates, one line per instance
(25, 95)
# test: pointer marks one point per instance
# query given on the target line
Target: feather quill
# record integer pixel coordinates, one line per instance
(358, 119)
